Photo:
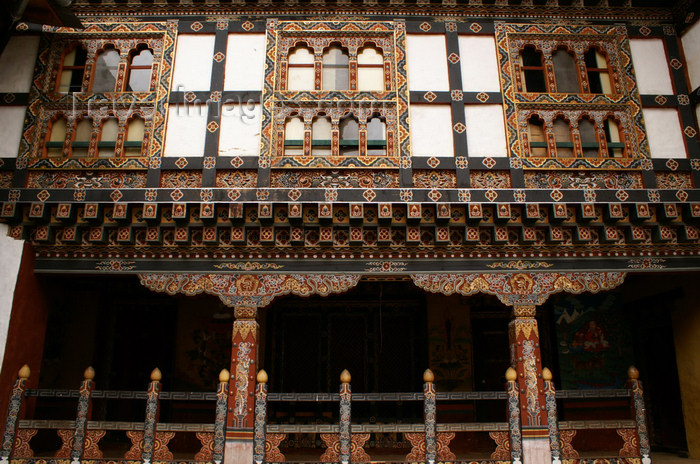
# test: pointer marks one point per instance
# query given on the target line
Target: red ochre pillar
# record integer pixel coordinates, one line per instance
(26, 332)
(240, 419)
(526, 360)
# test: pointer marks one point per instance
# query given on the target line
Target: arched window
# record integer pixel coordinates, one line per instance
(321, 136)
(336, 69)
(613, 136)
(108, 138)
(72, 70)
(565, 71)
(376, 136)
(140, 67)
(56, 137)
(532, 70)
(589, 142)
(294, 136)
(538, 141)
(135, 130)
(370, 69)
(349, 136)
(80, 144)
(300, 69)
(106, 68)
(562, 138)
(598, 72)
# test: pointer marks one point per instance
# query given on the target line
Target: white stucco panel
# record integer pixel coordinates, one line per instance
(479, 64)
(486, 132)
(665, 133)
(193, 61)
(651, 66)
(691, 49)
(245, 60)
(10, 257)
(240, 130)
(431, 130)
(186, 130)
(427, 62)
(17, 64)
(11, 124)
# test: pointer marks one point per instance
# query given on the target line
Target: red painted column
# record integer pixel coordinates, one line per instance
(27, 330)
(526, 360)
(240, 417)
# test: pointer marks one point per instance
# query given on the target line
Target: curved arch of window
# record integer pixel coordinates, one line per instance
(56, 137)
(562, 138)
(104, 77)
(140, 69)
(565, 72)
(300, 68)
(370, 69)
(376, 136)
(597, 71)
(72, 70)
(349, 132)
(294, 136)
(532, 71)
(135, 132)
(80, 143)
(336, 68)
(536, 136)
(614, 138)
(321, 135)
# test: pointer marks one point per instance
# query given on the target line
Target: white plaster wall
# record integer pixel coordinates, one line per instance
(691, 49)
(486, 132)
(245, 59)
(17, 64)
(431, 130)
(193, 61)
(479, 63)
(186, 130)
(11, 124)
(665, 133)
(651, 66)
(10, 257)
(240, 130)
(426, 57)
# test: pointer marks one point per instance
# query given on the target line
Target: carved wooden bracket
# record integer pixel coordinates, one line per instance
(532, 288)
(249, 290)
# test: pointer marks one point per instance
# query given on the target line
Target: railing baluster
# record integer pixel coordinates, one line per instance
(345, 410)
(83, 413)
(260, 418)
(149, 426)
(640, 413)
(429, 416)
(16, 398)
(552, 420)
(220, 423)
(516, 446)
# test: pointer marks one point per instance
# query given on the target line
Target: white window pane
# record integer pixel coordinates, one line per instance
(691, 48)
(300, 78)
(240, 130)
(427, 62)
(479, 64)
(245, 60)
(370, 55)
(11, 124)
(301, 55)
(431, 130)
(17, 64)
(186, 130)
(193, 61)
(321, 129)
(486, 133)
(665, 133)
(651, 66)
(371, 79)
(294, 129)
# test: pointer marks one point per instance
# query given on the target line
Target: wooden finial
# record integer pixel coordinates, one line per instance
(511, 375)
(156, 375)
(632, 373)
(89, 373)
(428, 376)
(224, 376)
(547, 374)
(345, 376)
(24, 372)
(262, 376)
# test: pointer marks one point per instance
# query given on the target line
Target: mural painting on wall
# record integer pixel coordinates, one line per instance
(204, 346)
(594, 341)
(450, 343)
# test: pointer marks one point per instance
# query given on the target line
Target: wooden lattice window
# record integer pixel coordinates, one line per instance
(72, 70)
(336, 68)
(532, 70)
(300, 74)
(597, 72)
(565, 73)
(370, 69)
